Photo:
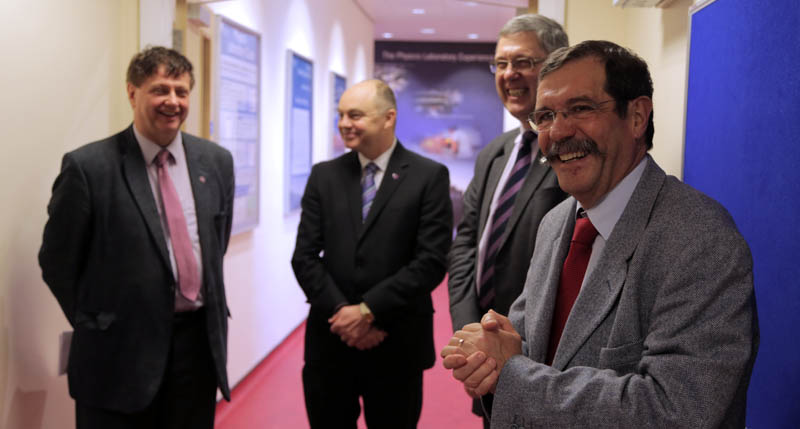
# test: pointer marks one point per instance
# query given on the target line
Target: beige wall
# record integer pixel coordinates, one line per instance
(660, 36)
(62, 85)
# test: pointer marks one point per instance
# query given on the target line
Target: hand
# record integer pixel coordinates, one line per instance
(349, 324)
(372, 338)
(478, 352)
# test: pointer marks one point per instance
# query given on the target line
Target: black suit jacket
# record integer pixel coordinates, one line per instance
(104, 257)
(392, 261)
(539, 194)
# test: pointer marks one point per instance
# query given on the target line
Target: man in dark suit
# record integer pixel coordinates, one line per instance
(638, 310)
(371, 246)
(138, 226)
(492, 249)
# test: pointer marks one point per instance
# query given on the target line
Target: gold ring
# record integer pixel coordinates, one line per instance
(460, 342)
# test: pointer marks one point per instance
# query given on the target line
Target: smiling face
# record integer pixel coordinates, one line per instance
(160, 105)
(365, 122)
(517, 90)
(592, 155)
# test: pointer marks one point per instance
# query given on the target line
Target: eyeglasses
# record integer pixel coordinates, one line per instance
(520, 64)
(542, 120)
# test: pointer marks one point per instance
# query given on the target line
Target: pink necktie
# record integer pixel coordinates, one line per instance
(580, 249)
(188, 275)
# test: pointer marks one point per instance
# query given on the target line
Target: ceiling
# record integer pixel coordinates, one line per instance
(449, 20)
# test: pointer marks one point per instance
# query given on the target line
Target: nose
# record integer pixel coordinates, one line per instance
(172, 98)
(561, 127)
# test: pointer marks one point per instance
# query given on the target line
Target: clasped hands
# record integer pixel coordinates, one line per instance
(354, 329)
(478, 352)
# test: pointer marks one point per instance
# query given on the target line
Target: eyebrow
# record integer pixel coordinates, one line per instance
(570, 101)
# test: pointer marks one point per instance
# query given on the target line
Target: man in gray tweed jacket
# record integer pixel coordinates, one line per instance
(661, 330)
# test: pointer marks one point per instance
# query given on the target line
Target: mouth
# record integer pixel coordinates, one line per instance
(571, 150)
(516, 92)
(170, 115)
(572, 156)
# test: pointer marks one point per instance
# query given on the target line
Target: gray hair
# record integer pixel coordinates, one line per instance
(550, 33)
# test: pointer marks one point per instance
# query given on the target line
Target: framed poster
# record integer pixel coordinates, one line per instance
(238, 86)
(338, 85)
(297, 146)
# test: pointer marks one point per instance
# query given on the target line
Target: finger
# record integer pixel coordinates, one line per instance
(472, 327)
(453, 350)
(454, 361)
(474, 361)
(502, 322)
(488, 384)
(474, 380)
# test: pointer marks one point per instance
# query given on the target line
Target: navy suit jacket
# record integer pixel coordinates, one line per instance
(104, 256)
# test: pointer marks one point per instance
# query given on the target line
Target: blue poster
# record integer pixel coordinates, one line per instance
(339, 86)
(238, 66)
(298, 142)
(447, 104)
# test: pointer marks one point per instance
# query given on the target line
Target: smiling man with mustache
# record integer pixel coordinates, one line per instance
(638, 309)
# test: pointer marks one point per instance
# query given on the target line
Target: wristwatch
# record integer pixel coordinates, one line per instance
(365, 312)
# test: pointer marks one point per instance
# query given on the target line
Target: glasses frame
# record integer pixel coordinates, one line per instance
(514, 64)
(567, 114)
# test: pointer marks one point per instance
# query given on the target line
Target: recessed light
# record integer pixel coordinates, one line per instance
(418, 11)
(472, 36)
(427, 31)
(471, 3)
(388, 35)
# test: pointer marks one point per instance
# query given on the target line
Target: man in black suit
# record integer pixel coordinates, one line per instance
(495, 239)
(138, 226)
(371, 246)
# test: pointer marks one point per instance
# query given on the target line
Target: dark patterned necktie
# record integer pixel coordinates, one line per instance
(368, 189)
(502, 214)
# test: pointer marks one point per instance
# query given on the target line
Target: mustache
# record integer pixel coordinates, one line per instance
(569, 145)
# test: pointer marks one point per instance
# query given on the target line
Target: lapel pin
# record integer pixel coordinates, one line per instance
(202, 179)
(395, 176)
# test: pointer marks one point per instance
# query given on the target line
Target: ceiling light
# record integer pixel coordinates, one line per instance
(388, 35)
(427, 31)
(471, 3)
(418, 11)
(472, 36)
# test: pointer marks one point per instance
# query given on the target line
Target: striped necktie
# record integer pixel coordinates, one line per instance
(502, 214)
(368, 189)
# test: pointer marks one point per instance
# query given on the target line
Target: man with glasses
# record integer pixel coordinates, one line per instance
(638, 310)
(510, 191)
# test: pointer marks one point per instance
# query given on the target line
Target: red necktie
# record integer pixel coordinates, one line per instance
(580, 249)
(188, 272)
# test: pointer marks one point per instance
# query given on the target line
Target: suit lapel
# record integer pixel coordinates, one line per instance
(496, 167)
(135, 171)
(392, 178)
(351, 176)
(535, 176)
(199, 177)
(542, 301)
(598, 296)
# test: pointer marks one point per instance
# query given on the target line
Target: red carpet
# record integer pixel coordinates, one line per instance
(272, 395)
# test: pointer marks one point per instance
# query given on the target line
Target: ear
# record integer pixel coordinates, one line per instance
(391, 117)
(639, 111)
(131, 89)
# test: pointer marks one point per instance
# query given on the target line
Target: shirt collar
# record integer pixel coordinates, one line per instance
(382, 161)
(150, 149)
(604, 216)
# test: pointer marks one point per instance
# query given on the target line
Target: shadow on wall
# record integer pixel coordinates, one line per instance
(27, 410)
(675, 22)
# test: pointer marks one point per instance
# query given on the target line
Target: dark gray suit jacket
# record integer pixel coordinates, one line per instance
(104, 257)
(539, 194)
(664, 332)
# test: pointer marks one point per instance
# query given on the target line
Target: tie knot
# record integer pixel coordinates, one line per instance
(585, 232)
(370, 168)
(163, 158)
(528, 137)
